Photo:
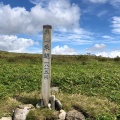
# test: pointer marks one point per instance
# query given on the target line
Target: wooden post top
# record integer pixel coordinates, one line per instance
(47, 26)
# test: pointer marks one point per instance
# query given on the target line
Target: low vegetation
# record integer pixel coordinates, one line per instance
(88, 83)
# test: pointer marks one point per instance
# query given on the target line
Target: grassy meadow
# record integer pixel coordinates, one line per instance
(88, 83)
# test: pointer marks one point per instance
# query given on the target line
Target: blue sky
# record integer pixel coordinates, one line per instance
(79, 26)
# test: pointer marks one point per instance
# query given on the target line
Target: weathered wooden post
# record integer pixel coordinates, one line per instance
(46, 65)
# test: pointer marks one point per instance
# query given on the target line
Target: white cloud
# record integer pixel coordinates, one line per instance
(107, 37)
(42, 2)
(102, 13)
(100, 50)
(98, 1)
(114, 3)
(60, 14)
(103, 54)
(97, 47)
(116, 24)
(76, 38)
(14, 44)
(111, 54)
(63, 50)
(13, 20)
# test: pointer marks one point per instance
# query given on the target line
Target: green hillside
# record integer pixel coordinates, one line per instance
(85, 75)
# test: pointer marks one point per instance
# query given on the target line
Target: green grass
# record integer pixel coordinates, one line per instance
(90, 76)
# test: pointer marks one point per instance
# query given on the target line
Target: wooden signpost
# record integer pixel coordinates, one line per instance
(46, 65)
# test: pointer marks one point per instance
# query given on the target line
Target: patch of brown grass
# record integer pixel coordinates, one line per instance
(91, 107)
(7, 106)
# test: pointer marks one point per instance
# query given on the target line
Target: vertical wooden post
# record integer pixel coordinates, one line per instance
(46, 65)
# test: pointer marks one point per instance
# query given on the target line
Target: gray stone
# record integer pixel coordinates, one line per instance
(54, 90)
(62, 115)
(21, 112)
(27, 106)
(49, 106)
(52, 101)
(40, 103)
(58, 105)
(6, 118)
(75, 115)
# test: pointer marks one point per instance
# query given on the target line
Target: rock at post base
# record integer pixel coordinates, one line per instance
(54, 90)
(40, 103)
(74, 115)
(62, 115)
(21, 112)
(52, 101)
(27, 106)
(58, 105)
(6, 118)
(49, 106)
